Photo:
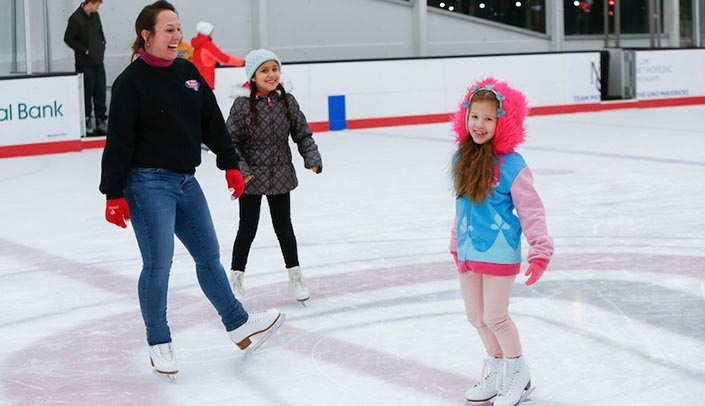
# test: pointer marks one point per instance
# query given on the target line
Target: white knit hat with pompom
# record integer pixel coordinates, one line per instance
(204, 28)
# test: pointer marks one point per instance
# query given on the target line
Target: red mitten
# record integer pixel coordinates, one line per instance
(535, 270)
(116, 211)
(235, 182)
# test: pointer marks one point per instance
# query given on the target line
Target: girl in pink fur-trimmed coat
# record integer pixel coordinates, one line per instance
(491, 182)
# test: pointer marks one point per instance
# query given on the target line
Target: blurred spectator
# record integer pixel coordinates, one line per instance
(84, 34)
(185, 50)
(206, 54)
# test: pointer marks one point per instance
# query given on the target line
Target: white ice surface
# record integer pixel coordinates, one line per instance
(619, 318)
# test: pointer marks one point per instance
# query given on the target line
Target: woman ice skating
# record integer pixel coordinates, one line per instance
(161, 111)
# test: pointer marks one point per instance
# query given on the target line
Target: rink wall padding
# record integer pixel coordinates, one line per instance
(360, 94)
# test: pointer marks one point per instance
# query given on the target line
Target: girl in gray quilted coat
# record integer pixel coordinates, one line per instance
(260, 122)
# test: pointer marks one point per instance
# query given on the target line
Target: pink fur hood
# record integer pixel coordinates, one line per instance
(511, 130)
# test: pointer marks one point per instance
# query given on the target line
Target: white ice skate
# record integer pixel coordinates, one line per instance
(163, 360)
(267, 322)
(237, 279)
(486, 388)
(515, 383)
(297, 285)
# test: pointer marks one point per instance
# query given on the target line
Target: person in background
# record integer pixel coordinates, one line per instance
(185, 50)
(262, 118)
(161, 112)
(84, 34)
(491, 180)
(206, 54)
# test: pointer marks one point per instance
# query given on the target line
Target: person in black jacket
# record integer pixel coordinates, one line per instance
(84, 34)
(161, 110)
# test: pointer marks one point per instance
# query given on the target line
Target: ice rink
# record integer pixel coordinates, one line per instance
(618, 319)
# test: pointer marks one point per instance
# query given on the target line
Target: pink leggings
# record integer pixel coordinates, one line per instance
(487, 308)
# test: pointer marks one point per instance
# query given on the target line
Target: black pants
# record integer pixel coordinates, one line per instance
(94, 89)
(280, 211)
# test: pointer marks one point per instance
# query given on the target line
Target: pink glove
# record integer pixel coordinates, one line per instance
(116, 211)
(535, 270)
(235, 182)
(455, 257)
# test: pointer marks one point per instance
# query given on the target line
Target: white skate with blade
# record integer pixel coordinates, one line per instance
(163, 361)
(268, 322)
(524, 398)
(297, 285)
(515, 384)
(252, 348)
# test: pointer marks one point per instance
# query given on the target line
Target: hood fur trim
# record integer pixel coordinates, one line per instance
(510, 130)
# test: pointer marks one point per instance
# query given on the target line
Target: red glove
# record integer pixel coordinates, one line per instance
(535, 270)
(116, 211)
(235, 182)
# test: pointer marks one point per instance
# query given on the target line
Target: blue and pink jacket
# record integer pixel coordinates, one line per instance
(486, 236)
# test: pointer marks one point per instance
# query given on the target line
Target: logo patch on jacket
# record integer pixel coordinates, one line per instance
(192, 84)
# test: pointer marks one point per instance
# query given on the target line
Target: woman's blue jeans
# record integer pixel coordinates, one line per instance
(162, 204)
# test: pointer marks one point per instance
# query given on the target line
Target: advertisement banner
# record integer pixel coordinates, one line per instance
(669, 73)
(37, 110)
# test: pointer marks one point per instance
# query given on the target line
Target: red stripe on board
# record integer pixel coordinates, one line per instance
(8, 151)
(564, 109)
(619, 104)
(319, 127)
(87, 143)
(322, 126)
(679, 101)
(401, 120)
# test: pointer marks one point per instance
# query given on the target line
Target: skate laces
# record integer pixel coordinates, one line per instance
(165, 352)
(500, 378)
(508, 377)
(256, 317)
(485, 374)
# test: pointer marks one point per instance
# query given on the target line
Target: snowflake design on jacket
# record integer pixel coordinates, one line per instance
(499, 224)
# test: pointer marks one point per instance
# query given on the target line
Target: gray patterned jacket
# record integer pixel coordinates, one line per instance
(264, 150)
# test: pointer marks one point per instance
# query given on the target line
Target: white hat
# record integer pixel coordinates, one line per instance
(204, 28)
(256, 58)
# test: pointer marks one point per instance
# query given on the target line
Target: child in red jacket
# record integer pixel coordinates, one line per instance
(206, 54)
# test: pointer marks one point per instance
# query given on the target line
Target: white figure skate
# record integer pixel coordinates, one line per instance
(268, 322)
(237, 279)
(297, 285)
(486, 388)
(163, 360)
(515, 383)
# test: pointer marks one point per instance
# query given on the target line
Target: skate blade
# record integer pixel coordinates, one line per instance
(273, 329)
(245, 342)
(489, 401)
(171, 376)
(525, 396)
